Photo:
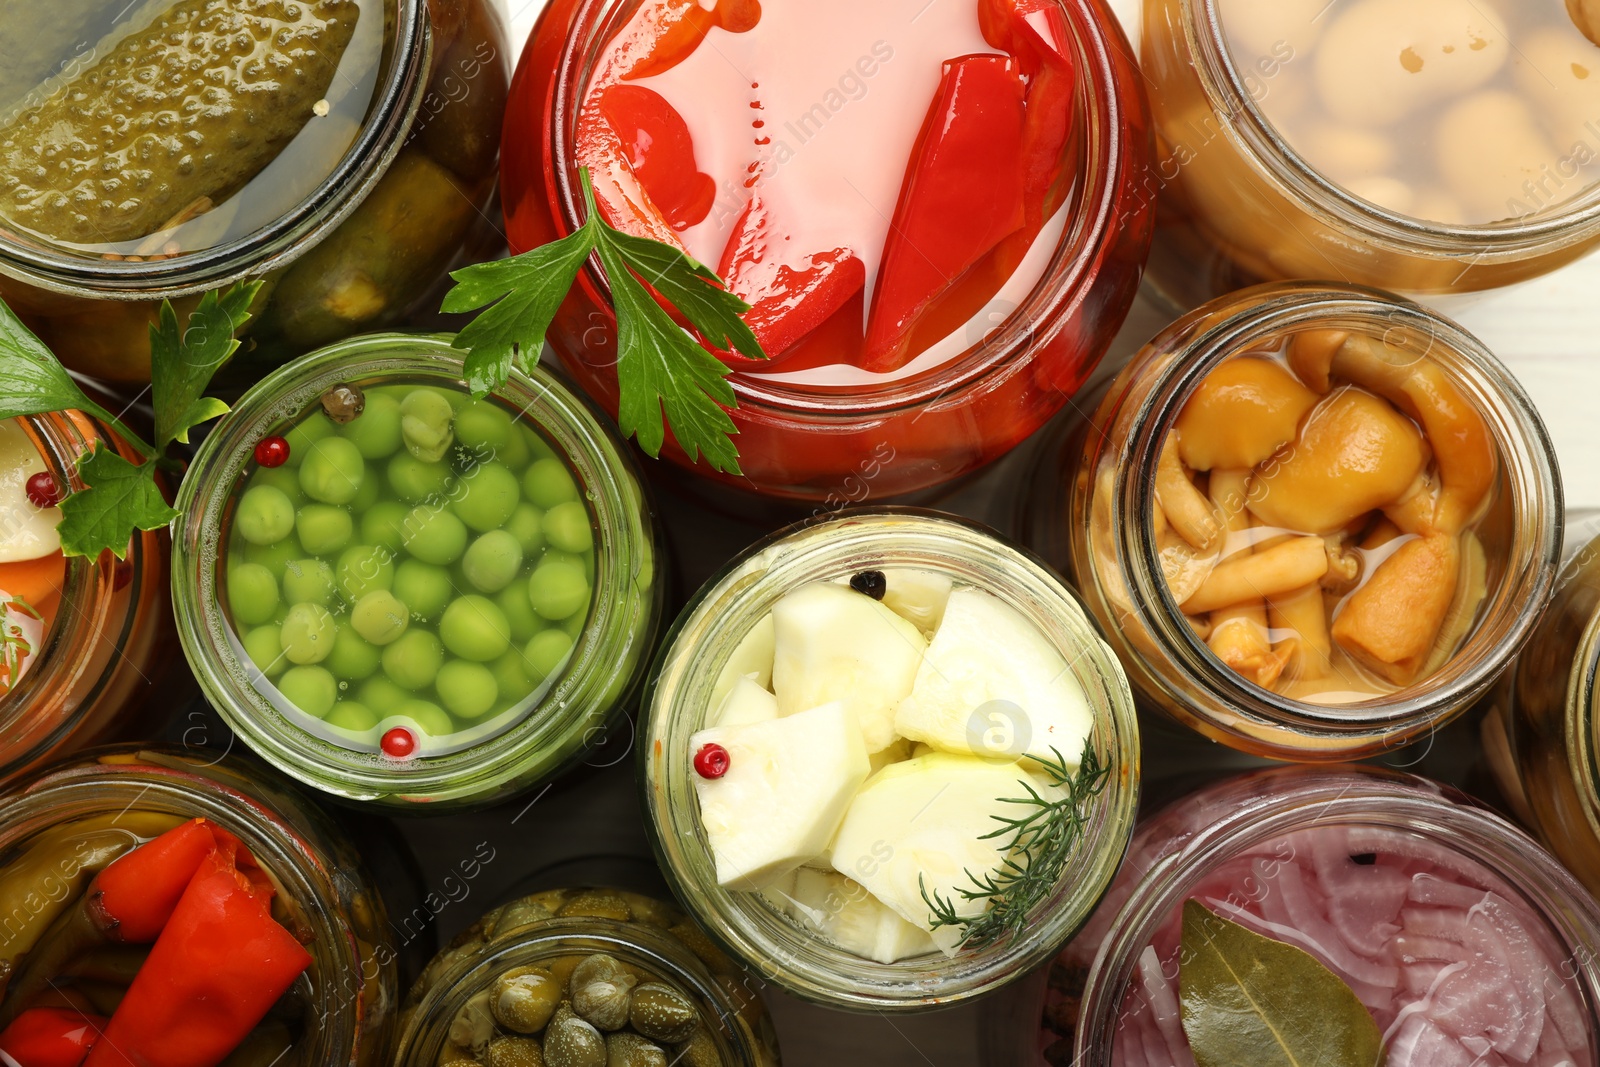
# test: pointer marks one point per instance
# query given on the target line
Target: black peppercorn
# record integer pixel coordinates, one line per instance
(871, 583)
(344, 403)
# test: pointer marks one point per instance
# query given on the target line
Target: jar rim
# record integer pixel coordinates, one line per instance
(1582, 725)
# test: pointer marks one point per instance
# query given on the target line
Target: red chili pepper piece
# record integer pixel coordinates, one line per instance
(51, 1037)
(215, 971)
(399, 743)
(272, 451)
(43, 490)
(133, 898)
(712, 761)
(962, 195)
(656, 143)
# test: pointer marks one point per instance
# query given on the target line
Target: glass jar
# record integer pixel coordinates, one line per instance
(1243, 202)
(350, 215)
(541, 722)
(1107, 531)
(1020, 359)
(350, 992)
(455, 1015)
(690, 675)
(1195, 847)
(105, 653)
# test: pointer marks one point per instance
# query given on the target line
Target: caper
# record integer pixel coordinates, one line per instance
(699, 1051)
(453, 1055)
(516, 915)
(473, 1027)
(515, 1052)
(630, 1050)
(663, 1013)
(571, 1042)
(601, 991)
(525, 998)
(652, 911)
(596, 904)
(696, 941)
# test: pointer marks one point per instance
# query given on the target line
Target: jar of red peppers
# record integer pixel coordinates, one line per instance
(160, 908)
(348, 178)
(83, 643)
(1316, 521)
(931, 210)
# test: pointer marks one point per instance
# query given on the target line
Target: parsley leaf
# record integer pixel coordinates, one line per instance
(120, 497)
(182, 363)
(659, 364)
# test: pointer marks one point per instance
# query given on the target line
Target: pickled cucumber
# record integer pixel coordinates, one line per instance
(184, 112)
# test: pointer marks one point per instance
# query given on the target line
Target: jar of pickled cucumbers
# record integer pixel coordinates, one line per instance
(344, 151)
(584, 978)
(1315, 520)
(402, 595)
(1456, 938)
(1445, 147)
(888, 761)
(185, 911)
(84, 644)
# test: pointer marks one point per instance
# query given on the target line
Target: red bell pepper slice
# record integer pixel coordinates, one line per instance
(51, 1037)
(675, 29)
(656, 144)
(133, 898)
(1037, 34)
(963, 193)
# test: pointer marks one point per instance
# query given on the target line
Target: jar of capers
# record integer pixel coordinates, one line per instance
(584, 978)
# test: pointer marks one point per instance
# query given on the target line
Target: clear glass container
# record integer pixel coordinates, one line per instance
(680, 700)
(1020, 362)
(446, 1020)
(102, 661)
(540, 730)
(1105, 529)
(350, 214)
(1243, 201)
(350, 992)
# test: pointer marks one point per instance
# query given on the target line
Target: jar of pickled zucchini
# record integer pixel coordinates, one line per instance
(186, 911)
(343, 151)
(581, 977)
(1317, 521)
(401, 595)
(84, 644)
(1457, 938)
(1449, 147)
(889, 763)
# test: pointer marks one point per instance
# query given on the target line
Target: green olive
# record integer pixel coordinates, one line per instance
(661, 1012)
(525, 998)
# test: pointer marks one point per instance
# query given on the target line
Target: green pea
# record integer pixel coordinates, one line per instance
(511, 678)
(426, 589)
(492, 561)
(412, 661)
(311, 689)
(380, 692)
(367, 495)
(538, 447)
(526, 524)
(483, 426)
(282, 479)
(323, 528)
(429, 718)
(468, 690)
(513, 600)
(307, 633)
(261, 645)
(352, 716)
(425, 418)
(308, 581)
(545, 654)
(514, 453)
(548, 483)
(376, 431)
(574, 624)
(275, 557)
(415, 481)
(434, 535)
(264, 516)
(473, 628)
(252, 593)
(568, 527)
(487, 497)
(380, 617)
(333, 471)
(557, 588)
(362, 569)
(311, 429)
(353, 657)
(383, 523)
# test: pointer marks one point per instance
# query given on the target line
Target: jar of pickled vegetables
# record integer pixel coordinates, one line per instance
(163, 909)
(1456, 938)
(344, 151)
(84, 644)
(1316, 521)
(888, 761)
(584, 978)
(1448, 147)
(402, 595)
(933, 211)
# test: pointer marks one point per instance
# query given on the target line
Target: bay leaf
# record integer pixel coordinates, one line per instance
(1251, 1001)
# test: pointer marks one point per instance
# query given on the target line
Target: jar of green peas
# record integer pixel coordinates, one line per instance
(404, 595)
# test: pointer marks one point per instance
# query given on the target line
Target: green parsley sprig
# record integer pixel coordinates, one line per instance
(121, 496)
(1040, 840)
(660, 365)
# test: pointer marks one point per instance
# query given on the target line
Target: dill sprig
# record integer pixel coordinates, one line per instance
(1041, 844)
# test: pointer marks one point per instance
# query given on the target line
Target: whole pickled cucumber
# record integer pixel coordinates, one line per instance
(193, 106)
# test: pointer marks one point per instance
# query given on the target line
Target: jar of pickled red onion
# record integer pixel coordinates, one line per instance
(1316, 521)
(927, 299)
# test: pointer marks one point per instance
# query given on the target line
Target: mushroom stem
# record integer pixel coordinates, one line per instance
(1186, 507)
(1271, 573)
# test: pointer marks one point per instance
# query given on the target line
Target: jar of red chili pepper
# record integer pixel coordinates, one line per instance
(160, 908)
(926, 300)
(83, 643)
